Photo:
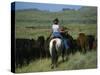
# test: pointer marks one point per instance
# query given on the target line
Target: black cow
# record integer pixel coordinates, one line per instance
(24, 51)
(91, 41)
(41, 46)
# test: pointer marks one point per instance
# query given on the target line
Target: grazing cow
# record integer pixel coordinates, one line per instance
(82, 42)
(41, 46)
(25, 51)
(91, 41)
(95, 44)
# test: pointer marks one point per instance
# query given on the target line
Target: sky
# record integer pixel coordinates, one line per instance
(43, 6)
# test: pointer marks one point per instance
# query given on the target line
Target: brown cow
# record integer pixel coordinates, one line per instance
(95, 44)
(82, 42)
(91, 42)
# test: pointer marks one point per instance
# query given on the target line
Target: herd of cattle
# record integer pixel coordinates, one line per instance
(30, 49)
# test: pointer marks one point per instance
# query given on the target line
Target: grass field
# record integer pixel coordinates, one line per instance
(23, 32)
(30, 24)
(75, 62)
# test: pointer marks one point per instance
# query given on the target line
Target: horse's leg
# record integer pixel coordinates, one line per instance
(63, 54)
(52, 63)
(81, 46)
(52, 60)
(56, 60)
(67, 53)
(54, 56)
(84, 48)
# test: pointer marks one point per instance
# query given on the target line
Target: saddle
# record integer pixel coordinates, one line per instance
(55, 37)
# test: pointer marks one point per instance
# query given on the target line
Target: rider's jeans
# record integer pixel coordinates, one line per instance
(57, 34)
(64, 40)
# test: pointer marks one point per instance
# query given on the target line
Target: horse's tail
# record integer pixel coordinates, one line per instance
(54, 52)
(54, 42)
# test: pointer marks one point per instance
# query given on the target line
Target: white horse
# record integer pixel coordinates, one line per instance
(55, 48)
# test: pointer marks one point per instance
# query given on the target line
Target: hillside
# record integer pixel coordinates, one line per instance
(33, 23)
(85, 15)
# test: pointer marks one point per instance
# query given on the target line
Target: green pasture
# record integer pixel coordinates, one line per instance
(30, 24)
(76, 62)
(74, 30)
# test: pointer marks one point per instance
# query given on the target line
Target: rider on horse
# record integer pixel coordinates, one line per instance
(57, 31)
